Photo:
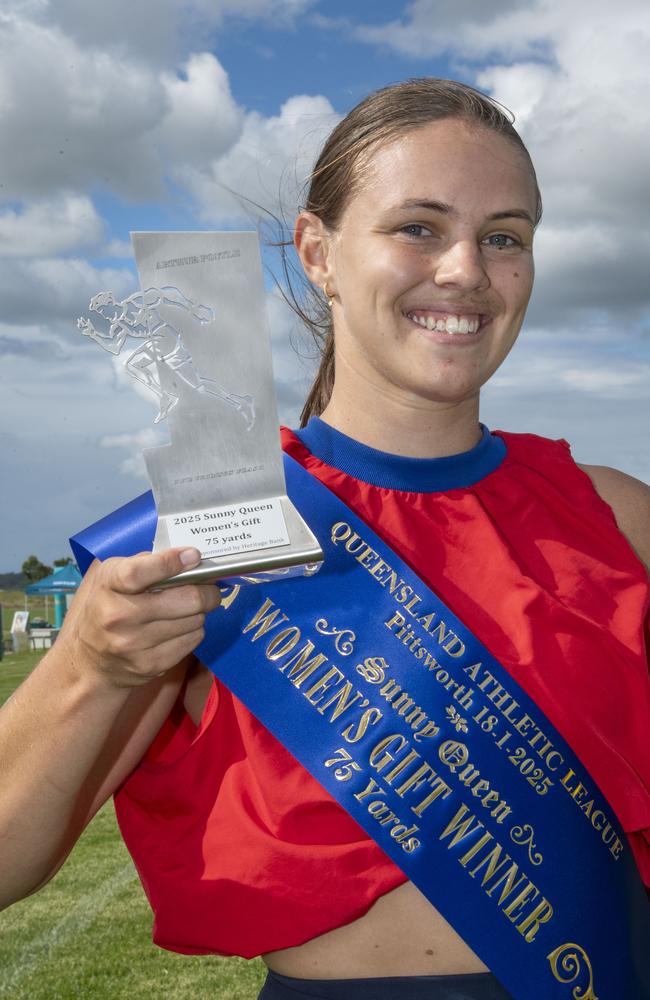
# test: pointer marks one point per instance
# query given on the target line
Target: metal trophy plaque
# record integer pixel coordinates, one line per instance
(199, 343)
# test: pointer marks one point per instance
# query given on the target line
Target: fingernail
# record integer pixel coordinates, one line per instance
(190, 556)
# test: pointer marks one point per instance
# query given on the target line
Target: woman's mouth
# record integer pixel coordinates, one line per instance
(447, 322)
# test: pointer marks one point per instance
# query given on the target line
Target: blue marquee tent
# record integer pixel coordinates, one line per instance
(64, 580)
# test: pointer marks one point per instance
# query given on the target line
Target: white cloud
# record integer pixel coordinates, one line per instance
(537, 366)
(49, 227)
(203, 121)
(134, 444)
(71, 118)
(605, 383)
(44, 290)
(156, 31)
(522, 91)
(269, 163)
(74, 118)
(590, 267)
(434, 27)
(511, 31)
(117, 248)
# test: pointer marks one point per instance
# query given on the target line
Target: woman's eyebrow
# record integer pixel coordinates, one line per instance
(435, 206)
(512, 213)
(445, 209)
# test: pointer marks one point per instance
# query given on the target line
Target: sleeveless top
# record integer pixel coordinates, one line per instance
(241, 851)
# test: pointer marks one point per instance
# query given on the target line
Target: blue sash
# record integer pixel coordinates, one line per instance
(408, 721)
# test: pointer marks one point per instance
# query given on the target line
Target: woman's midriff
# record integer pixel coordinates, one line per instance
(400, 935)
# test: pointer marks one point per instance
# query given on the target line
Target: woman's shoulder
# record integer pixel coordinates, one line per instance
(629, 499)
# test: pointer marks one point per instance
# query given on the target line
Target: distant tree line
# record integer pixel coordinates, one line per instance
(32, 571)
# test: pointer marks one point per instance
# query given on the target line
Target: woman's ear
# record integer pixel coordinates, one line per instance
(313, 242)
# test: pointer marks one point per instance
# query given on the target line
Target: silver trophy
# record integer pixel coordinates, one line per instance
(199, 343)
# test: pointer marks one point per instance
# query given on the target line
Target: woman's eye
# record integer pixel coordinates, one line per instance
(500, 240)
(415, 229)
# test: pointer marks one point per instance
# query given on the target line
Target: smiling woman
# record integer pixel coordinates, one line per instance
(510, 652)
(438, 239)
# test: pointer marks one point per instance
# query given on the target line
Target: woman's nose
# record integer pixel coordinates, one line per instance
(461, 265)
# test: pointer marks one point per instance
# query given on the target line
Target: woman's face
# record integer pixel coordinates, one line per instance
(431, 265)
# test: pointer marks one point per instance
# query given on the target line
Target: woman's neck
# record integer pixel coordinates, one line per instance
(418, 428)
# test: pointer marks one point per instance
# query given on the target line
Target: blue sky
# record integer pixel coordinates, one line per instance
(140, 115)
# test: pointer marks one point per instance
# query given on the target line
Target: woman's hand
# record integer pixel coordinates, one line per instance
(127, 634)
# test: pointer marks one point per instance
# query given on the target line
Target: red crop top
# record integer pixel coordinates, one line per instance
(241, 851)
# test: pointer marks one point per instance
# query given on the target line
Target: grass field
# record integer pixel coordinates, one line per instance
(88, 933)
(14, 600)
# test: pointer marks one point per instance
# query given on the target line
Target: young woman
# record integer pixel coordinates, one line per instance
(418, 234)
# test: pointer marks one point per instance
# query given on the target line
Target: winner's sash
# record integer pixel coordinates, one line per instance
(409, 722)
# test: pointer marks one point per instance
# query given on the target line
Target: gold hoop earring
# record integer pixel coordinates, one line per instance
(328, 296)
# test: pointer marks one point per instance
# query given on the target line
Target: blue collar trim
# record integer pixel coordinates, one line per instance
(397, 472)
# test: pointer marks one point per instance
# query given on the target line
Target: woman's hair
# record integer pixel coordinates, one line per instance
(380, 118)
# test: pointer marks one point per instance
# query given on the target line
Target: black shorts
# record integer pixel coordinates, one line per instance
(479, 986)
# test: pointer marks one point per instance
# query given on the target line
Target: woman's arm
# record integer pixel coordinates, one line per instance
(87, 713)
(629, 499)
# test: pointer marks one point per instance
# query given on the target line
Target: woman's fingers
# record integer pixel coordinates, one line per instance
(138, 573)
(157, 660)
(130, 633)
(182, 601)
(154, 633)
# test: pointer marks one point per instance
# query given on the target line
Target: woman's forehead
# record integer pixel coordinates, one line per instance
(449, 161)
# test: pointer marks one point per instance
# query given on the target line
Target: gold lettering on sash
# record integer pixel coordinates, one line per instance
(461, 826)
(303, 664)
(264, 619)
(475, 848)
(373, 669)
(322, 684)
(340, 531)
(473, 671)
(401, 766)
(355, 544)
(379, 568)
(397, 619)
(379, 762)
(516, 891)
(513, 909)
(530, 925)
(501, 812)
(439, 788)
(598, 819)
(454, 755)
(342, 700)
(229, 595)
(372, 788)
(568, 961)
(424, 773)
(369, 718)
(282, 643)
(385, 816)
(509, 880)
(369, 554)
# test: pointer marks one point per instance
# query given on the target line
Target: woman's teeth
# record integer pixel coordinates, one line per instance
(447, 324)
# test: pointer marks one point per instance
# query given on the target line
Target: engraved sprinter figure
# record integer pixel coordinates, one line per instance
(138, 316)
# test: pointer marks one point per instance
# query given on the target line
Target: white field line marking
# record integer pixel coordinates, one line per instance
(40, 950)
